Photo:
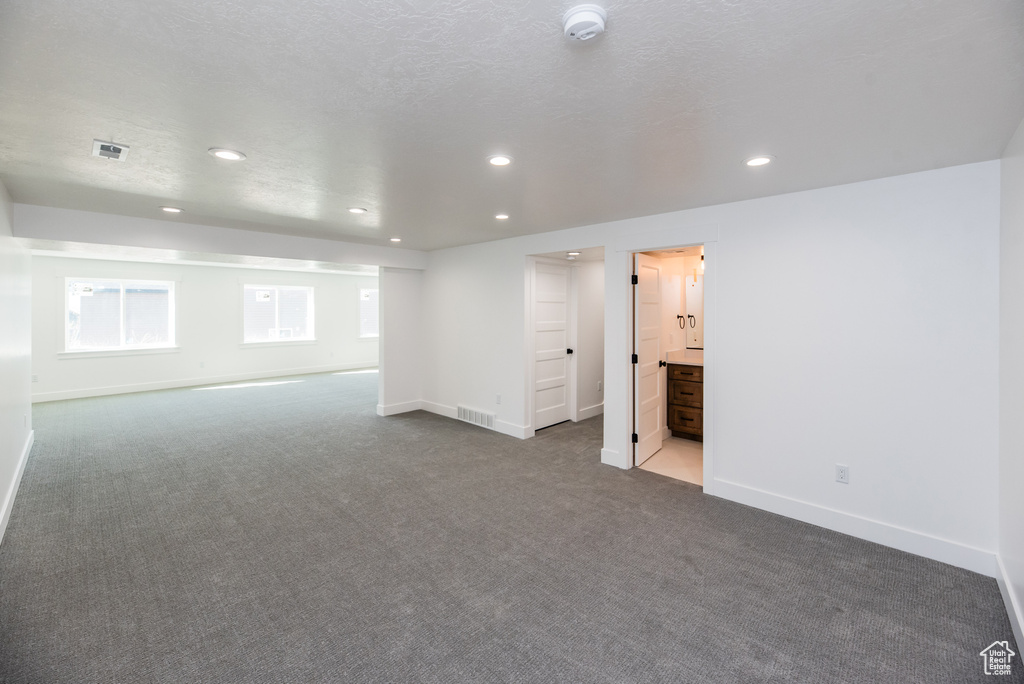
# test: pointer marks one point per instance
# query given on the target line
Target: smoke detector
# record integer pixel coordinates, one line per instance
(109, 150)
(583, 22)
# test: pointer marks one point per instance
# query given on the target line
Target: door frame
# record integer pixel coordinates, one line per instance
(529, 340)
(619, 319)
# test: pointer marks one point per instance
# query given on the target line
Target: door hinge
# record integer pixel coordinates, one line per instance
(635, 280)
(636, 438)
(635, 359)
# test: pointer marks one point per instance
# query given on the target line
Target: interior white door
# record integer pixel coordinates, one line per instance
(551, 366)
(648, 404)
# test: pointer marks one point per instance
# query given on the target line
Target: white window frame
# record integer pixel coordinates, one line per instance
(310, 315)
(124, 283)
(363, 336)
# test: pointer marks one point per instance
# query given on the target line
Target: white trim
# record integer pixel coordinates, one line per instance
(502, 426)
(590, 411)
(12, 491)
(709, 442)
(298, 342)
(440, 409)
(190, 382)
(529, 355)
(127, 351)
(614, 458)
(911, 541)
(1014, 608)
(572, 370)
(513, 430)
(402, 407)
(710, 361)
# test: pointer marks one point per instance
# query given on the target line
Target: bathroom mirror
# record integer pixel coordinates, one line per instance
(694, 321)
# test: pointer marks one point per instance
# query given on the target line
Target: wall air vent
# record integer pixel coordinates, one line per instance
(475, 417)
(109, 150)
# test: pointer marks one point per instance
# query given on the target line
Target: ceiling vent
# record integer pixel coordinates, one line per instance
(109, 150)
(583, 22)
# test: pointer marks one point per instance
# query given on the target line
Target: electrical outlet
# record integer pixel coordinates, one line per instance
(35, 378)
(842, 474)
(600, 385)
(498, 400)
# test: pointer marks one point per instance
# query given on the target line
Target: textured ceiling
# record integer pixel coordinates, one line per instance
(394, 106)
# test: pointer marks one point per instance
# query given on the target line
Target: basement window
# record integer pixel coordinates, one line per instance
(112, 315)
(369, 324)
(277, 313)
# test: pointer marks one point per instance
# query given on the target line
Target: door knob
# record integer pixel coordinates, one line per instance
(568, 351)
(662, 364)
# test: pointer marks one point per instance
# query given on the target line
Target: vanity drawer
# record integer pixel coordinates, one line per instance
(685, 419)
(690, 373)
(686, 393)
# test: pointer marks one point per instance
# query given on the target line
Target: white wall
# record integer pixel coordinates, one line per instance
(1011, 387)
(209, 330)
(67, 225)
(887, 362)
(473, 333)
(401, 350)
(15, 360)
(589, 356)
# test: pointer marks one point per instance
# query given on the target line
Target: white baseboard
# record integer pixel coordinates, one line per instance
(189, 382)
(12, 491)
(440, 409)
(590, 412)
(614, 458)
(513, 430)
(1014, 609)
(505, 428)
(401, 407)
(918, 543)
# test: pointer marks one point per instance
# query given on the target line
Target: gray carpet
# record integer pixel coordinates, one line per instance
(285, 533)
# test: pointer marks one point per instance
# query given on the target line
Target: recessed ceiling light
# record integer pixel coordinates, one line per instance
(227, 155)
(501, 217)
(572, 254)
(172, 210)
(357, 210)
(396, 239)
(499, 160)
(760, 160)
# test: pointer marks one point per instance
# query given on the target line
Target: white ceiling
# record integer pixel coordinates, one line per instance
(394, 106)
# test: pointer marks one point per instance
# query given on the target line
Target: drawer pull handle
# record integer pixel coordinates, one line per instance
(688, 394)
(689, 420)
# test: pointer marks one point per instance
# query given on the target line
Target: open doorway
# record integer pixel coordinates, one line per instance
(565, 337)
(668, 366)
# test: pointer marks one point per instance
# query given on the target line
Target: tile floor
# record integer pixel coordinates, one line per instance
(681, 459)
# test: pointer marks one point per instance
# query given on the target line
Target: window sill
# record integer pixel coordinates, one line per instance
(276, 343)
(99, 353)
(369, 337)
